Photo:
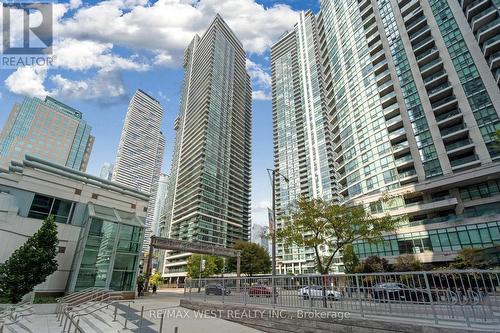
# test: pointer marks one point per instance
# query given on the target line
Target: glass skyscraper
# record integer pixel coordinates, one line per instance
(209, 187)
(140, 152)
(47, 129)
(303, 150)
(411, 89)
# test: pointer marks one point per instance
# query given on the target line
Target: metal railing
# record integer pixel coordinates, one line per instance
(81, 298)
(13, 315)
(470, 298)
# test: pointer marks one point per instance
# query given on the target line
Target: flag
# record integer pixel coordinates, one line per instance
(271, 220)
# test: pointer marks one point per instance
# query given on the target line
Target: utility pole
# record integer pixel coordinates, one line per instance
(273, 234)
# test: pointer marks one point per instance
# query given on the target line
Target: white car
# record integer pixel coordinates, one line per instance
(317, 292)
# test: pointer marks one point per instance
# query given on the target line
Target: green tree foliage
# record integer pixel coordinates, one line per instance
(156, 280)
(30, 264)
(213, 266)
(407, 263)
(374, 264)
(316, 223)
(350, 259)
(496, 139)
(254, 259)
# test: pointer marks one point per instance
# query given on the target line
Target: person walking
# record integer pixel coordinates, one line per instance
(154, 289)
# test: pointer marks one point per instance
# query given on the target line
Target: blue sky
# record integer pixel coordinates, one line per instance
(106, 50)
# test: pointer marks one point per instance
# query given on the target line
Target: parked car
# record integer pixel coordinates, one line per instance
(399, 292)
(216, 289)
(317, 292)
(259, 291)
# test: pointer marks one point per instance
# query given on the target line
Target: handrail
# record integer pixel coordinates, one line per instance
(74, 296)
(90, 304)
(93, 296)
(77, 293)
(77, 315)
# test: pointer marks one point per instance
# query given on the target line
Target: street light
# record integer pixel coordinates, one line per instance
(273, 235)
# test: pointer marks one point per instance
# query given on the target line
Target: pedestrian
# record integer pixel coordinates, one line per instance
(154, 289)
(139, 289)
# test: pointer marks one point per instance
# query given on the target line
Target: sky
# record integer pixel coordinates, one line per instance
(105, 50)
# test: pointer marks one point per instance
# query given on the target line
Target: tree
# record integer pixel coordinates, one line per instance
(469, 258)
(407, 263)
(156, 279)
(496, 139)
(374, 264)
(30, 264)
(316, 223)
(350, 259)
(254, 259)
(211, 265)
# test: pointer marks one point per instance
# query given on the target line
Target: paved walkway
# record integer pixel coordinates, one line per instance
(166, 303)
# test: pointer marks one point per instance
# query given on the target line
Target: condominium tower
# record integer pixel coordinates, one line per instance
(140, 152)
(209, 191)
(303, 148)
(411, 89)
(47, 129)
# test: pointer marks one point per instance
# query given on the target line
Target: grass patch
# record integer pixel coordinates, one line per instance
(39, 299)
(4, 300)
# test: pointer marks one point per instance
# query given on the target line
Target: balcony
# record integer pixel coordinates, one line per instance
(380, 67)
(391, 111)
(401, 148)
(431, 67)
(421, 207)
(464, 162)
(383, 77)
(423, 45)
(440, 92)
(449, 118)
(459, 147)
(394, 123)
(409, 7)
(413, 16)
(427, 56)
(494, 60)
(435, 79)
(404, 161)
(408, 176)
(388, 99)
(489, 30)
(410, 28)
(419, 35)
(476, 7)
(444, 104)
(398, 135)
(378, 57)
(453, 132)
(491, 46)
(385, 88)
(483, 18)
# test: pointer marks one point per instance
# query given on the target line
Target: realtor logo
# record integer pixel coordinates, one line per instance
(27, 34)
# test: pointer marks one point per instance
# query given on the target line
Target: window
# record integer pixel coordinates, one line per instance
(43, 206)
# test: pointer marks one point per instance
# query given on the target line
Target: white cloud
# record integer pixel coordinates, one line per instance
(261, 206)
(104, 87)
(28, 81)
(261, 95)
(87, 39)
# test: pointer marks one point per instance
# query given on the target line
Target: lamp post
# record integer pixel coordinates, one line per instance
(274, 173)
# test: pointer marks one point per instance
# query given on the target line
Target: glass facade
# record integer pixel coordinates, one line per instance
(441, 240)
(47, 129)
(108, 250)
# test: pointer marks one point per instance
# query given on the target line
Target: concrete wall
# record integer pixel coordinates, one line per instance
(15, 230)
(288, 322)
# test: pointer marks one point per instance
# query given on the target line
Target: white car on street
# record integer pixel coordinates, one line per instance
(317, 292)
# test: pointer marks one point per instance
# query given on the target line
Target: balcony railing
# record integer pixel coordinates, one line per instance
(408, 173)
(453, 129)
(447, 115)
(403, 159)
(464, 160)
(458, 144)
(443, 101)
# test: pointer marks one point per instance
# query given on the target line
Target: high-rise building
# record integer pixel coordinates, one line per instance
(140, 152)
(260, 235)
(47, 129)
(161, 197)
(302, 149)
(106, 171)
(412, 96)
(209, 190)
